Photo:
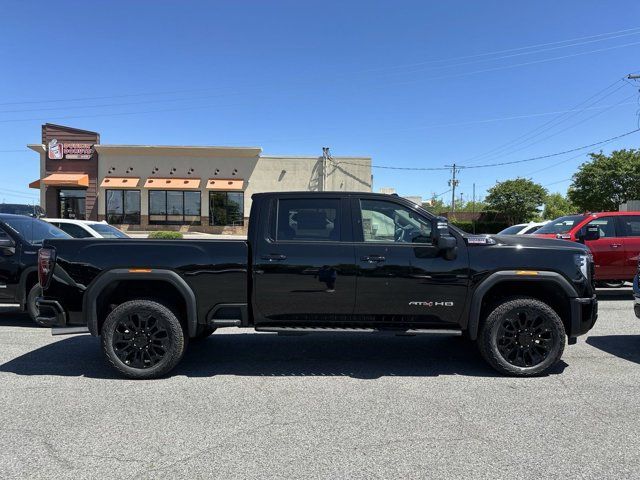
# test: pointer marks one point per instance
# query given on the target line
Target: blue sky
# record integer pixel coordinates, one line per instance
(411, 84)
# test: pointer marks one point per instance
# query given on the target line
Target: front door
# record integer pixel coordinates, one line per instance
(402, 276)
(304, 267)
(608, 251)
(629, 225)
(71, 203)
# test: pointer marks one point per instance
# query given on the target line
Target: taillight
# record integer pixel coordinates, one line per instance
(46, 262)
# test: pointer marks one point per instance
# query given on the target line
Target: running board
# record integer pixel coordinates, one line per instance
(225, 323)
(305, 330)
(69, 330)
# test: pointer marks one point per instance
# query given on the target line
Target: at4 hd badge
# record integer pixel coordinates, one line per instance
(431, 304)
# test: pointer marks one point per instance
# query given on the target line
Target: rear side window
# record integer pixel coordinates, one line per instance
(630, 225)
(307, 219)
(74, 230)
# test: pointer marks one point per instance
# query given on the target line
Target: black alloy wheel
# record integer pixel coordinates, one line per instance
(525, 337)
(522, 336)
(141, 340)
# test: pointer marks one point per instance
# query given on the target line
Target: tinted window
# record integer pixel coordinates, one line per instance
(226, 208)
(512, 230)
(562, 224)
(123, 206)
(308, 219)
(631, 225)
(384, 221)
(33, 230)
(75, 231)
(532, 229)
(107, 231)
(4, 235)
(174, 207)
(606, 226)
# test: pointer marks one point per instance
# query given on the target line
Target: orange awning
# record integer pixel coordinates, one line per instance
(225, 184)
(63, 180)
(173, 183)
(120, 182)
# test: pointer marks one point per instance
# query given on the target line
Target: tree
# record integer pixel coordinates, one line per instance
(605, 182)
(517, 199)
(555, 205)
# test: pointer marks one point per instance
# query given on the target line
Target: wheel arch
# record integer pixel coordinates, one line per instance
(550, 287)
(25, 283)
(111, 278)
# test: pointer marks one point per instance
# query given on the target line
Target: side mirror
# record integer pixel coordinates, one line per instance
(442, 239)
(7, 247)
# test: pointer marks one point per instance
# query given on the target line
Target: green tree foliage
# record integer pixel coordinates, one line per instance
(606, 181)
(556, 205)
(519, 199)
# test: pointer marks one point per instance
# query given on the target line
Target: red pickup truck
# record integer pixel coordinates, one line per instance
(612, 237)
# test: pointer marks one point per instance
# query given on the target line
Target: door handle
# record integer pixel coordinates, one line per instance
(274, 257)
(373, 258)
(615, 245)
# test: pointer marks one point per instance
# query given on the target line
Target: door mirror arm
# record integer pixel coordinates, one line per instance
(442, 239)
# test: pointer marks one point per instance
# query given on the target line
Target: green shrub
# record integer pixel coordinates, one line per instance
(166, 235)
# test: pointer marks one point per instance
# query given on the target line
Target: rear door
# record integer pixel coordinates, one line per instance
(629, 226)
(304, 264)
(608, 251)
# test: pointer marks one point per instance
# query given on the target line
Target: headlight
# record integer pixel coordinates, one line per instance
(583, 261)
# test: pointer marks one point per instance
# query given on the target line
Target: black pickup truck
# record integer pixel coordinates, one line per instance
(323, 262)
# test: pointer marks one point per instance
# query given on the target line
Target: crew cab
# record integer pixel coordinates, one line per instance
(20, 238)
(323, 262)
(612, 237)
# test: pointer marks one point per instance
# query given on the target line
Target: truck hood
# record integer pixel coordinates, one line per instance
(534, 242)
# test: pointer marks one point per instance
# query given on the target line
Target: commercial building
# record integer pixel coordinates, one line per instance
(187, 188)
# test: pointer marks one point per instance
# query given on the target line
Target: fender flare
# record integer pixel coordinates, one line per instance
(504, 276)
(21, 294)
(90, 298)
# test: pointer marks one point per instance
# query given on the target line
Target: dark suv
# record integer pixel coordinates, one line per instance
(20, 238)
(22, 209)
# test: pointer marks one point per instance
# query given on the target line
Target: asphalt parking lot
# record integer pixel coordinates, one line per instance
(248, 405)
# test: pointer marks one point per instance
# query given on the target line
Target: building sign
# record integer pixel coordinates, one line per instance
(70, 151)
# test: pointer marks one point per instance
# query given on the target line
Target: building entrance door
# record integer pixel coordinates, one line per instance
(71, 203)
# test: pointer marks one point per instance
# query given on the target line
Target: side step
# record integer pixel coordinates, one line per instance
(225, 323)
(69, 330)
(306, 330)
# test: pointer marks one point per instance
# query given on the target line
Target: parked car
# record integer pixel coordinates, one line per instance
(20, 238)
(612, 237)
(523, 228)
(322, 262)
(22, 209)
(86, 228)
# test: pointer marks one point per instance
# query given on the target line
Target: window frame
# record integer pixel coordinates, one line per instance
(622, 230)
(212, 193)
(166, 213)
(124, 214)
(358, 230)
(617, 227)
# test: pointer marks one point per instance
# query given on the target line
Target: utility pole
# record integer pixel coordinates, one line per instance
(326, 156)
(473, 208)
(633, 77)
(453, 183)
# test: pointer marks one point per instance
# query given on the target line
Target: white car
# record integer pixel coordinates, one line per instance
(86, 228)
(522, 228)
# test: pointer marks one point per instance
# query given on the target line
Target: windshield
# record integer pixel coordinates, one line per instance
(512, 230)
(33, 230)
(107, 231)
(562, 224)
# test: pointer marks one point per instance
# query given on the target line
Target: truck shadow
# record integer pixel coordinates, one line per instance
(626, 347)
(358, 356)
(613, 294)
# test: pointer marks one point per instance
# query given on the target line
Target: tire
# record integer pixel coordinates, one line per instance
(143, 339)
(522, 337)
(204, 332)
(30, 305)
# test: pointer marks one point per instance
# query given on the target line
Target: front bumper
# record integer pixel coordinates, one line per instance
(584, 313)
(50, 313)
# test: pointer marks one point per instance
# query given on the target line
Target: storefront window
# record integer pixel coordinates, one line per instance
(123, 207)
(174, 207)
(71, 203)
(226, 208)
